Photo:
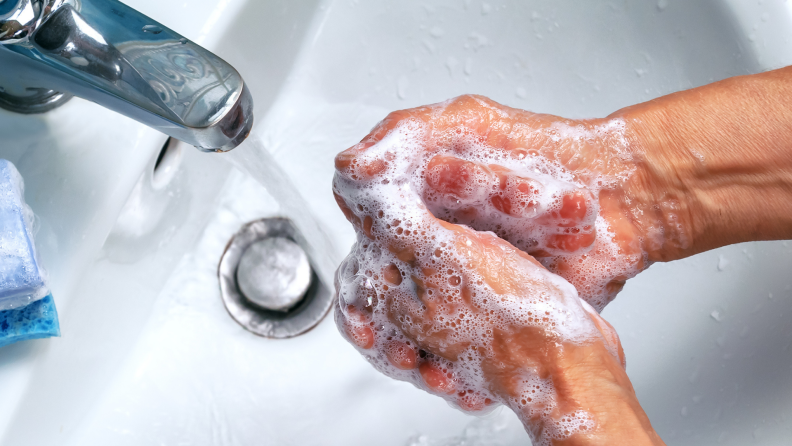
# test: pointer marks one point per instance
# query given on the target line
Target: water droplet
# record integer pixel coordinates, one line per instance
(184, 41)
(486, 8)
(521, 93)
(437, 32)
(770, 296)
(451, 64)
(684, 411)
(358, 290)
(694, 375)
(468, 66)
(476, 41)
(401, 87)
(152, 29)
(723, 262)
(662, 5)
(716, 315)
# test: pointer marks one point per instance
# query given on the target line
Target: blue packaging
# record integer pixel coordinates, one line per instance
(22, 279)
(27, 310)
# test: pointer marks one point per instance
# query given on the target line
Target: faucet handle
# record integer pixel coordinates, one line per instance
(106, 52)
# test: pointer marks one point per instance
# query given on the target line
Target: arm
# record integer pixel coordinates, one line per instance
(588, 378)
(717, 161)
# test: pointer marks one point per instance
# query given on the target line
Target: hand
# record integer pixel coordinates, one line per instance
(460, 313)
(563, 191)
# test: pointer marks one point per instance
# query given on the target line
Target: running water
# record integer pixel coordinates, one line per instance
(290, 152)
(253, 158)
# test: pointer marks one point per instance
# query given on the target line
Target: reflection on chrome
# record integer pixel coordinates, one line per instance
(108, 53)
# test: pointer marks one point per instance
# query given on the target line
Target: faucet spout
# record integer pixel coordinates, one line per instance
(108, 53)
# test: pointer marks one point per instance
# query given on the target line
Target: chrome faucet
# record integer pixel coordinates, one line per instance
(108, 53)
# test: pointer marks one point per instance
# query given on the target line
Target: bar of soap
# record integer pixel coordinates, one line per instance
(33, 321)
(22, 280)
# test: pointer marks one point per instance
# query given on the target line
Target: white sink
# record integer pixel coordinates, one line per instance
(150, 356)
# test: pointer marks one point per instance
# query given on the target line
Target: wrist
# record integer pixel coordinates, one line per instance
(590, 378)
(587, 382)
(713, 165)
(658, 195)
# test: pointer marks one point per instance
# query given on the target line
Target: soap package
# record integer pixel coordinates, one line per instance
(22, 279)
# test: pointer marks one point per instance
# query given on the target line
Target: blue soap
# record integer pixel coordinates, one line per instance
(27, 310)
(22, 280)
(33, 321)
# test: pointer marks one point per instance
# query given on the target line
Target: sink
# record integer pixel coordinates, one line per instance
(150, 356)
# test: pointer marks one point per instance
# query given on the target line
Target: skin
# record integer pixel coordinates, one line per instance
(699, 169)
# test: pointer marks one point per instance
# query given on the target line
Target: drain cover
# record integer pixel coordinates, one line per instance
(267, 283)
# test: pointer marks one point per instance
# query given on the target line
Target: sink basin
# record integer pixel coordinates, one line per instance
(150, 356)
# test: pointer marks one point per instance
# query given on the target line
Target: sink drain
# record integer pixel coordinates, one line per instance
(267, 283)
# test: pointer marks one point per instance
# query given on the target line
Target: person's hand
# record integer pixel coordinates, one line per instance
(566, 192)
(460, 313)
(594, 201)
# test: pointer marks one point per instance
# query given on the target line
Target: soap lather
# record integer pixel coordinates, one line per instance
(27, 310)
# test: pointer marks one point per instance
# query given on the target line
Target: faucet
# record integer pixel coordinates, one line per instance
(108, 53)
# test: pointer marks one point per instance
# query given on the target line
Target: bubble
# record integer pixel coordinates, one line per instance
(358, 291)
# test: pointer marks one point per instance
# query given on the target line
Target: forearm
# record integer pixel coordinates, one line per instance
(584, 378)
(715, 161)
(591, 377)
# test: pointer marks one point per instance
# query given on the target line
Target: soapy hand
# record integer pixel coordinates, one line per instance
(560, 190)
(466, 316)
(461, 313)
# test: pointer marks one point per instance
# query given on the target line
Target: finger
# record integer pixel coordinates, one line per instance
(401, 355)
(571, 241)
(575, 221)
(454, 182)
(468, 192)
(353, 163)
(516, 194)
(347, 211)
(500, 127)
(356, 326)
(437, 379)
(574, 206)
(355, 303)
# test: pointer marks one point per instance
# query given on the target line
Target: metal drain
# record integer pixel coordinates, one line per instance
(283, 297)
